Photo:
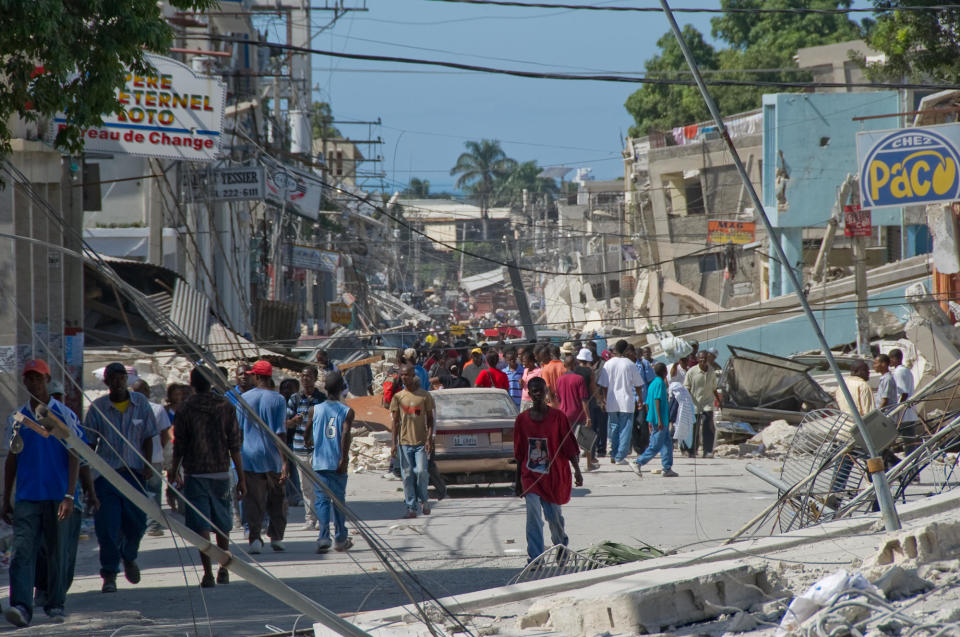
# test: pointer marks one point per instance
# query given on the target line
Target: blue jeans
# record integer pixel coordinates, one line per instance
(294, 490)
(35, 525)
(662, 443)
(119, 525)
(416, 477)
(324, 506)
(68, 538)
(154, 490)
(620, 433)
(551, 512)
(599, 418)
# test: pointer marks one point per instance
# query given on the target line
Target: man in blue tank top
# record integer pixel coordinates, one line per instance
(328, 425)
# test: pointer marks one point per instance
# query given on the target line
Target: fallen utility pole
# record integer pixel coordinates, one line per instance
(874, 464)
(255, 576)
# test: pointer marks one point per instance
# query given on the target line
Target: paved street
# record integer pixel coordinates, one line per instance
(473, 540)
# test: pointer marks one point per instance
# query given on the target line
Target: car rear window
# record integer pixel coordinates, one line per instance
(486, 405)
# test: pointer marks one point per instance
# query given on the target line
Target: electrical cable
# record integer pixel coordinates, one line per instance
(572, 76)
(746, 10)
(369, 535)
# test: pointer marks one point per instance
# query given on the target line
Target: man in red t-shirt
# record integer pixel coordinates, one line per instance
(543, 444)
(491, 376)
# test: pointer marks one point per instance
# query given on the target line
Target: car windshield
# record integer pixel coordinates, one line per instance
(479, 405)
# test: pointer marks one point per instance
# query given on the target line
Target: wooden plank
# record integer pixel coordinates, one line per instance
(362, 361)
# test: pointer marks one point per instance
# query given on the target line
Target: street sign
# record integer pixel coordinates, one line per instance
(314, 259)
(297, 191)
(856, 222)
(909, 166)
(171, 113)
(736, 232)
(228, 184)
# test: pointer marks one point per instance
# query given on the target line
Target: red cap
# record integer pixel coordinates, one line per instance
(36, 365)
(262, 368)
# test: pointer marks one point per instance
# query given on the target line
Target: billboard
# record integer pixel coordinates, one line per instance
(737, 232)
(909, 166)
(171, 113)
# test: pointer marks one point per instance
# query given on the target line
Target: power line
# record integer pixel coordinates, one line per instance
(574, 76)
(787, 10)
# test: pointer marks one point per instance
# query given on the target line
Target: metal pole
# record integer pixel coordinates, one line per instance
(890, 518)
(261, 580)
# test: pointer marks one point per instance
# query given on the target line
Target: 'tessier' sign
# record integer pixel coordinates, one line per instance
(172, 113)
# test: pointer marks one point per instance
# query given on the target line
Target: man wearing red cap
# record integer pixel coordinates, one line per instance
(46, 485)
(265, 468)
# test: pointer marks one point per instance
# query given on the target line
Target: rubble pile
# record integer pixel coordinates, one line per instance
(369, 450)
(772, 442)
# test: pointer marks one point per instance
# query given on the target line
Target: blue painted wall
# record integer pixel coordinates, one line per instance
(795, 334)
(817, 136)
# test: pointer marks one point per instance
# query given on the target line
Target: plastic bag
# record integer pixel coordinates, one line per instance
(819, 595)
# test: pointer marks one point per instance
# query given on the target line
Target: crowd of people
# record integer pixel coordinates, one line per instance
(573, 400)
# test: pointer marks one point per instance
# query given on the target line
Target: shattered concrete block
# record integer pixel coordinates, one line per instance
(899, 583)
(751, 449)
(778, 434)
(929, 543)
(535, 619)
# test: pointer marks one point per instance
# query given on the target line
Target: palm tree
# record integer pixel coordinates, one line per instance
(480, 168)
(524, 176)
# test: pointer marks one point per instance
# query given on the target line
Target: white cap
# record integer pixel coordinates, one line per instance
(585, 355)
(410, 354)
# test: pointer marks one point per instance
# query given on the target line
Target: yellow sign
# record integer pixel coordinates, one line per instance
(738, 232)
(457, 330)
(340, 313)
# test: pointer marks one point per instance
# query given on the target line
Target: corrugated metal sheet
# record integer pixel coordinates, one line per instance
(275, 320)
(227, 346)
(190, 311)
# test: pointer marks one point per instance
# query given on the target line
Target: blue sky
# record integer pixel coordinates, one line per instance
(428, 113)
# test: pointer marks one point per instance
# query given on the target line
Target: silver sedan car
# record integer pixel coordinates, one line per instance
(474, 435)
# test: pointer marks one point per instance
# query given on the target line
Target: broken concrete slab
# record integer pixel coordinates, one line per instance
(650, 602)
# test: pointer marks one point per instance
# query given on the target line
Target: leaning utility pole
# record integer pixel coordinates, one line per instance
(874, 463)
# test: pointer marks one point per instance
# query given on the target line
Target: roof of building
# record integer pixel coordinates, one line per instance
(446, 210)
(483, 280)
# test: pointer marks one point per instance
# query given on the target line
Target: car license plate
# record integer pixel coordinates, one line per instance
(465, 440)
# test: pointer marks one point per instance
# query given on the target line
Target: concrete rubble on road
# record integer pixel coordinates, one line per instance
(911, 578)
(370, 451)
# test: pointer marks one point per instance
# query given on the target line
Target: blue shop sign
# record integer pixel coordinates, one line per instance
(909, 166)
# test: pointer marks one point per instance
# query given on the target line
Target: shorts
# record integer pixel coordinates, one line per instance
(212, 499)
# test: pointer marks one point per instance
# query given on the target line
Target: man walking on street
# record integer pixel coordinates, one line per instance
(206, 438)
(115, 422)
(620, 382)
(297, 420)
(573, 394)
(701, 382)
(265, 468)
(887, 395)
(46, 478)
(155, 483)
(413, 422)
(545, 448)
(658, 421)
(905, 387)
(514, 372)
(328, 428)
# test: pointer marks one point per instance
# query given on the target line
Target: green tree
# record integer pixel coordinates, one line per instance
(524, 176)
(663, 106)
(917, 45)
(756, 41)
(418, 188)
(321, 121)
(71, 57)
(479, 169)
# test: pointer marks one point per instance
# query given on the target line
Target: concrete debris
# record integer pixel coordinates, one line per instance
(370, 452)
(930, 543)
(651, 602)
(899, 583)
(726, 451)
(741, 623)
(776, 437)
